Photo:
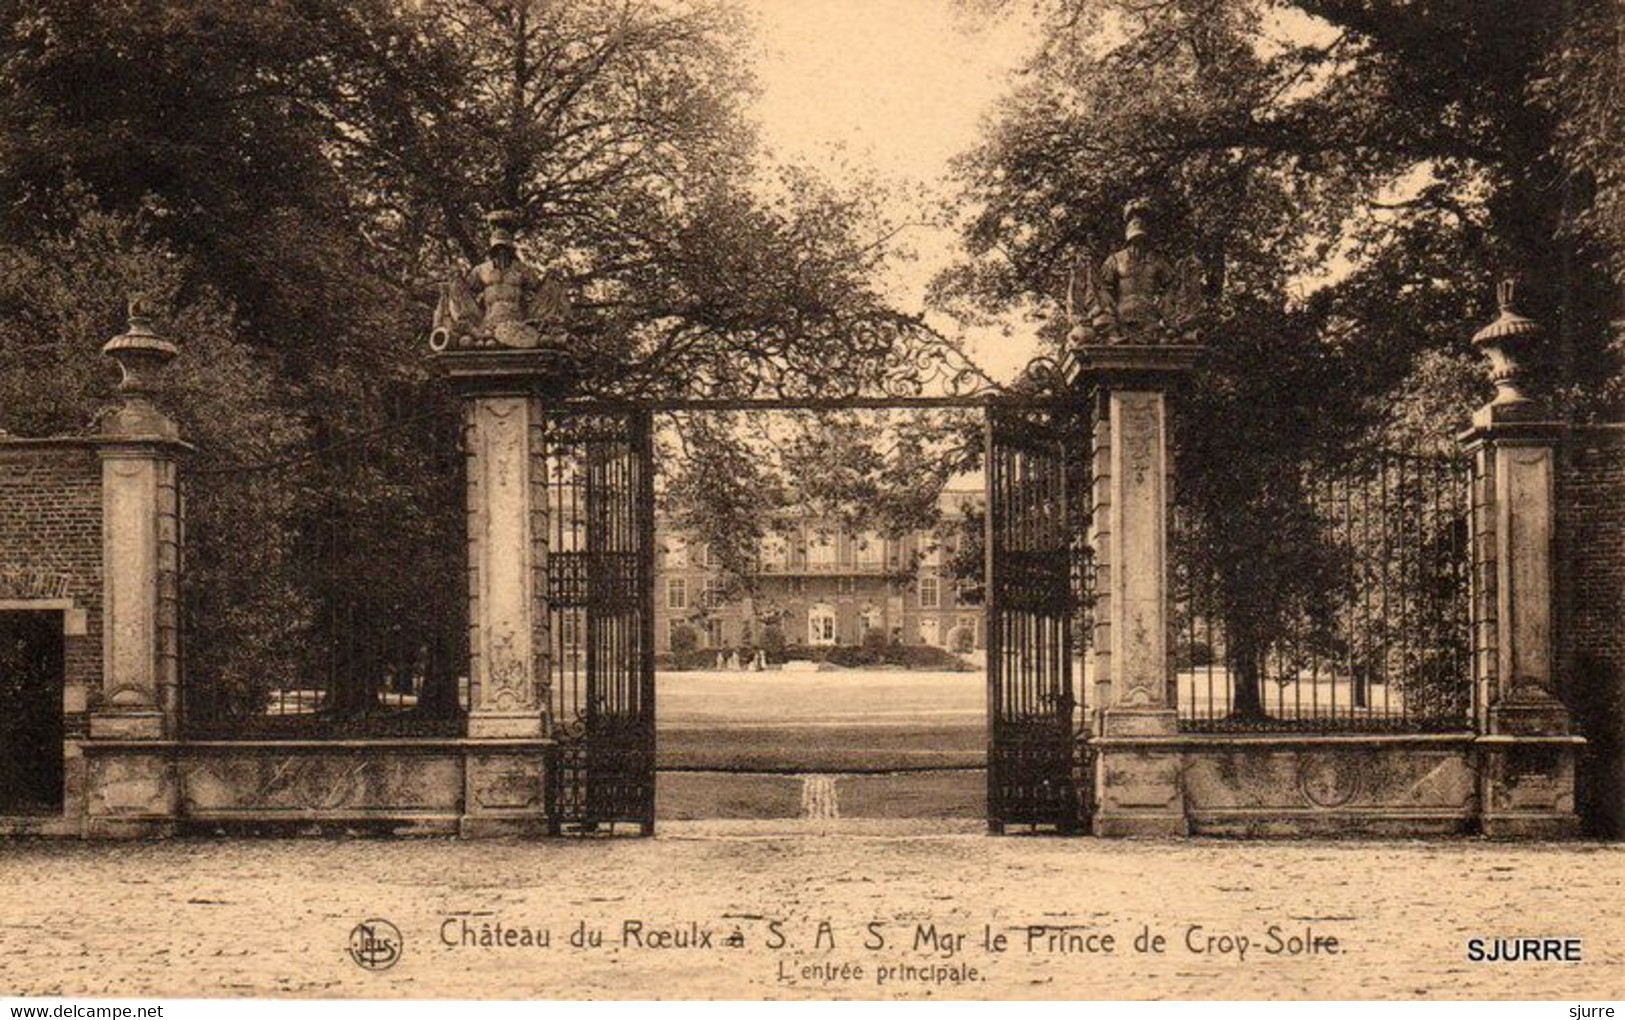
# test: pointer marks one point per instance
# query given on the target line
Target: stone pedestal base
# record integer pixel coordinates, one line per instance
(504, 726)
(1527, 787)
(1139, 787)
(127, 726)
(487, 827)
(503, 793)
(1138, 826)
(1536, 717)
(125, 828)
(131, 796)
(1530, 826)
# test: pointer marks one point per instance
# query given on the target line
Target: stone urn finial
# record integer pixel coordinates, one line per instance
(142, 356)
(1507, 342)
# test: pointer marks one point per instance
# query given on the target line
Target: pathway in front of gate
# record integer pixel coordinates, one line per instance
(274, 917)
(804, 743)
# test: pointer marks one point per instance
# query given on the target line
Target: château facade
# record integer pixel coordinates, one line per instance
(819, 584)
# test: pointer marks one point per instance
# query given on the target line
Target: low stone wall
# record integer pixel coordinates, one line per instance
(452, 787)
(1339, 785)
(1376, 785)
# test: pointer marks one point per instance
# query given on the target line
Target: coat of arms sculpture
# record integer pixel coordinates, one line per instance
(1136, 296)
(500, 303)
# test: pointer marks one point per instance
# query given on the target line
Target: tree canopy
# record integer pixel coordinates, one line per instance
(1353, 176)
(292, 177)
(1370, 166)
(303, 172)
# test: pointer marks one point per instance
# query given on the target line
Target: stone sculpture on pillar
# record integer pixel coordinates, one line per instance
(1134, 331)
(1137, 296)
(499, 333)
(502, 302)
(1506, 342)
(1528, 750)
(140, 449)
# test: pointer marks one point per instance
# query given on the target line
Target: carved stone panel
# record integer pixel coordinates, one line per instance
(130, 606)
(1372, 778)
(505, 783)
(1524, 531)
(503, 552)
(1134, 781)
(303, 783)
(135, 785)
(1138, 543)
(1532, 778)
(1330, 780)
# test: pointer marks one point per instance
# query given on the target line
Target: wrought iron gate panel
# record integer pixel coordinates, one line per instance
(1031, 547)
(324, 595)
(599, 503)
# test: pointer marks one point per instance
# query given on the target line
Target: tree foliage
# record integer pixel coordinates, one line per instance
(1394, 157)
(310, 168)
(1353, 175)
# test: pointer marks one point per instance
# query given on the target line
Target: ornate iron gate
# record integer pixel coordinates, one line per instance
(1033, 753)
(599, 476)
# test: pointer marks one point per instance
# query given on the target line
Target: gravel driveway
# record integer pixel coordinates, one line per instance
(275, 917)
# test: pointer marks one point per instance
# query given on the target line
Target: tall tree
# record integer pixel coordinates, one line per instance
(316, 165)
(1353, 174)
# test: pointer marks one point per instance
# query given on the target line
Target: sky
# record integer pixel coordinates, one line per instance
(893, 88)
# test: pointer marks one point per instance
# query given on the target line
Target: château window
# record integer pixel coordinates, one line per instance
(871, 550)
(821, 550)
(930, 592)
(775, 552)
(676, 593)
(821, 624)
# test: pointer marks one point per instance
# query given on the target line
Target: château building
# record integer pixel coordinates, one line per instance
(819, 584)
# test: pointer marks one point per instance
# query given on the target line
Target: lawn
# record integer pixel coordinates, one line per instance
(829, 721)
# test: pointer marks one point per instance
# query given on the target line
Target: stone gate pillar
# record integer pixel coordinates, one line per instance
(507, 527)
(1527, 749)
(135, 793)
(1137, 774)
(140, 545)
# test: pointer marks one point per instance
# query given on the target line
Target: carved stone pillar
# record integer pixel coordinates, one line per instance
(140, 547)
(505, 624)
(506, 758)
(134, 793)
(1137, 778)
(1527, 759)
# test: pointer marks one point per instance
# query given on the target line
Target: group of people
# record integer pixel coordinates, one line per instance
(751, 662)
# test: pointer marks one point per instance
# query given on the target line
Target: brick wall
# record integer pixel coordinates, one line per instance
(1591, 550)
(51, 527)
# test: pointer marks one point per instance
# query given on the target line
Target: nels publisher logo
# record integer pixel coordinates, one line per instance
(375, 944)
